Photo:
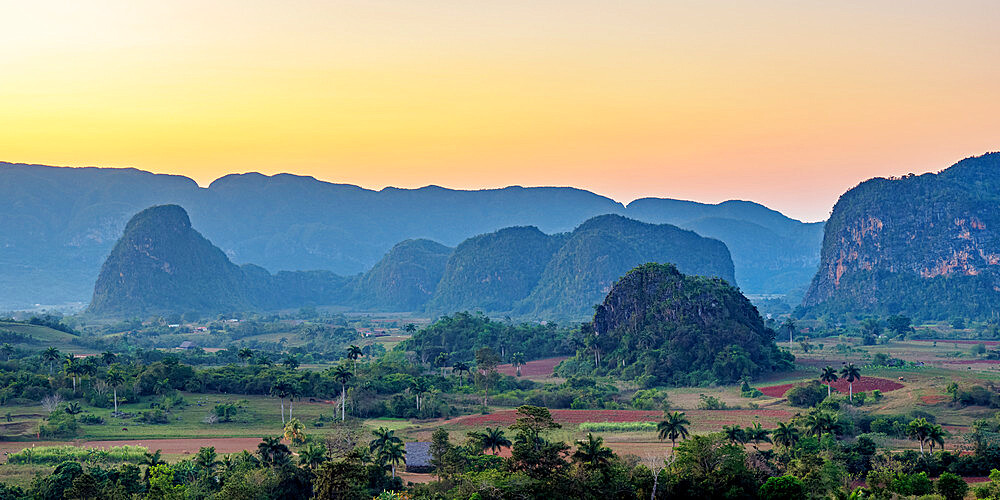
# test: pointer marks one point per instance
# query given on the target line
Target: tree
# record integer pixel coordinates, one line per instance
(951, 486)
(592, 453)
(757, 434)
(829, 376)
(109, 358)
(419, 387)
(382, 437)
(486, 362)
(785, 435)
(7, 350)
(786, 487)
(460, 367)
(354, 352)
(114, 378)
(294, 391)
(675, 426)
(410, 328)
(919, 429)
(207, 458)
(441, 361)
(342, 375)
(789, 326)
(273, 452)
(819, 422)
(517, 359)
(51, 355)
(290, 362)
(245, 354)
(532, 421)
(72, 368)
(850, 373)
(898, 324)
(313, 455)
(735, 434)
(295, 432)
(73, 408)
(393, 454)
(493, 439)
(935, 436)
(281, 390)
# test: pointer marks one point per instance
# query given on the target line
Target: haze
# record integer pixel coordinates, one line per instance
(785, 103)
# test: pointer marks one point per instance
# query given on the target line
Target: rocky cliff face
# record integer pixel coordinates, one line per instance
(926, 245)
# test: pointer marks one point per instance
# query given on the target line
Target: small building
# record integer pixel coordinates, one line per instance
(418, 457)
(187, 344)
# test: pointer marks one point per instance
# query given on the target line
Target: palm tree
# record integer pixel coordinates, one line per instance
(88, 368)
(151, 460)
(294, 391)
(850, 373)
(493, 439)
(820, 422)
(460, 367)
(108, 357)
(829, 376)
(354, 352)
(114, 378)
(392, 454)
(757, 434)
(789, 325)
(295, 432)
(290, 362)
(383, 436)
(281, 389)
(74, 408)
(919, 429)
(51, 355)
(419, 386)
(312, 455)
(72, 368)
(7, 350)
(272, 451)
(207, 458)
(517, 359)
(245, 354)
(673, 427)
(735, 434)
(935, 435)
(342, 375)
(592, 453)
(785, 435)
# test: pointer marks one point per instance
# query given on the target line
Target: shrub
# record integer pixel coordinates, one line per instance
(951, 486)
(91, 420)
(807, 395)
(60, 424)
(783, 488)
(710, 403)
(154, 417)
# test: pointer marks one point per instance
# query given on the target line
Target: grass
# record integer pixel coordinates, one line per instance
(45, 336)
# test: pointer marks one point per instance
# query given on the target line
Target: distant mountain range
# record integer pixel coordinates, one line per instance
(161, 264)
(60, 224)
(922, 245)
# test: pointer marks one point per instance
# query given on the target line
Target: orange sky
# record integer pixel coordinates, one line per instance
(787, 103)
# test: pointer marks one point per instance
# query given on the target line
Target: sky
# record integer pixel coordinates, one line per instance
(787, 103)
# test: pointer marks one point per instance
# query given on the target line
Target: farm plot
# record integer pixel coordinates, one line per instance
(539, 368)
(863, 384)
(701, 420)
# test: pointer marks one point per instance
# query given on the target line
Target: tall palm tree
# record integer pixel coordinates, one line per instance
(829, 376)
(785, 435)
(294, 391)
(342, 375)
(675, 426)
(273, 452)
(919, 429)
(245, 354)
(295, 432)
(72, 368)
(354, 352)
(735, 434)
(419, 386)
(281, 389)
(460, 367)
(114, 378)
(517, 359)
(493, 439)
(850, 373)
(936, 435)
(392, 454)
(51, 355)
(592, 453)
(757, 434)
(441, 361)
(789, 325)
(383, 437)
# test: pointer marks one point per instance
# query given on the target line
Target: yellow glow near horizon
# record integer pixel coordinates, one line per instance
(787, 103)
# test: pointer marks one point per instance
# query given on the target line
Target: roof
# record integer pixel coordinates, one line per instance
(418, 454)
(186, 345)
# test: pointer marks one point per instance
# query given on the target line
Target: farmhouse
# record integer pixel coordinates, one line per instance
(418, 457)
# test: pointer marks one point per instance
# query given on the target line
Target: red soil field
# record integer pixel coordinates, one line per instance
(974, 362)
(933, 400)
(863, 384)
(538, 368)
(717, 418)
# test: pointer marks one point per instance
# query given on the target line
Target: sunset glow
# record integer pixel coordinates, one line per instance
(787, 105)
